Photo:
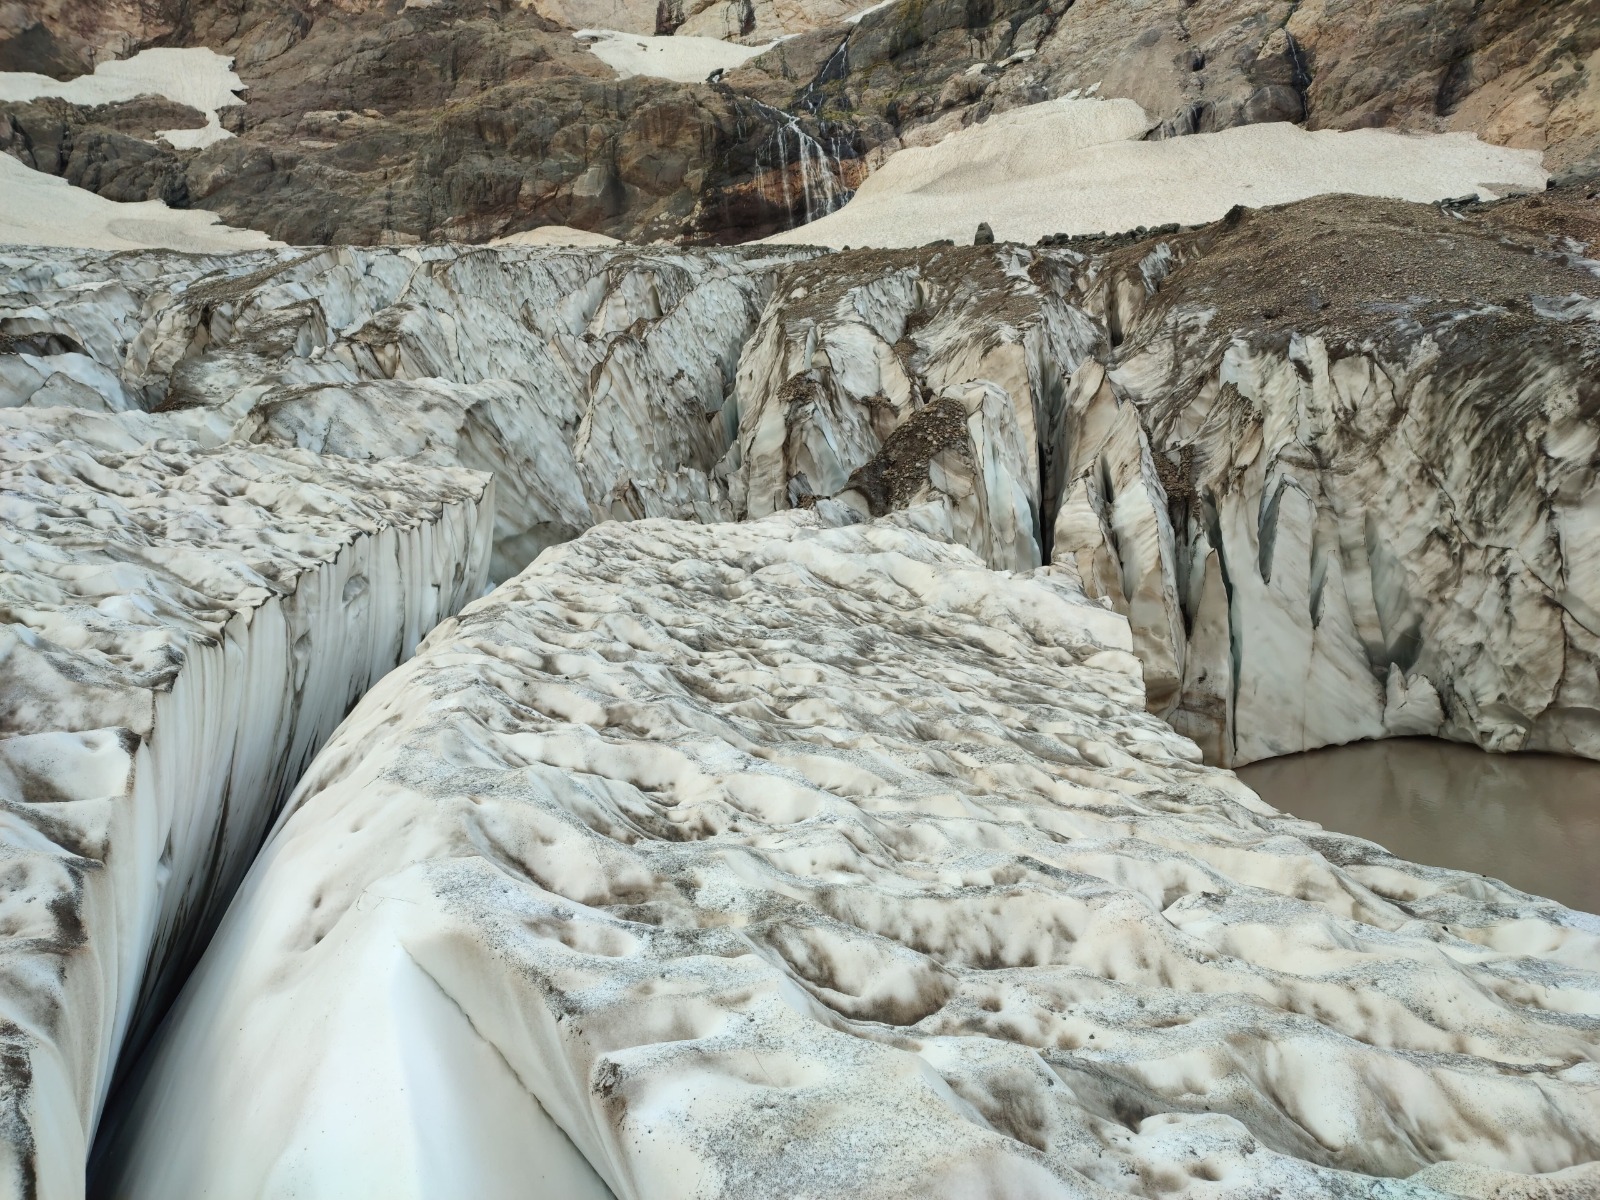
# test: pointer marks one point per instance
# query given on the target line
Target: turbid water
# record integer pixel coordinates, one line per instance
(1532, 820)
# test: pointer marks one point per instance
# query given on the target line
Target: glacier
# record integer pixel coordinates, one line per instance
(593, 384)
(1259, 470)
(793, 858)
(183, 627)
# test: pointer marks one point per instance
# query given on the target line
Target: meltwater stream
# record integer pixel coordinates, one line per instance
(1532, 820)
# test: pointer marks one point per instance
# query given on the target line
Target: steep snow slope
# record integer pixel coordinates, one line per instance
(41, 210)
(182, 630)
(1076, 166)
(772, 859)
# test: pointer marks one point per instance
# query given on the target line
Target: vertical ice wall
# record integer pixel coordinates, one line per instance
(182, 630)
(886, 378)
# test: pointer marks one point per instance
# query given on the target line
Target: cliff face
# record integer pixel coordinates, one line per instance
(472, 119)
(1334, 460)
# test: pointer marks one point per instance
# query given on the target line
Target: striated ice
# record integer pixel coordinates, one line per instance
(592, 383)
(182, 629)
(774, 859)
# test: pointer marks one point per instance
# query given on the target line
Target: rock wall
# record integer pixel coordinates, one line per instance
(183, 629)
(374, 123)
(754, 859)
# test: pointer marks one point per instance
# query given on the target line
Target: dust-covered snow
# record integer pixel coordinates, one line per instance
(1079, 166)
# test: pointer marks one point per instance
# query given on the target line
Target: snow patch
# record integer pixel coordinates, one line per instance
(199, 78)
(41, 210)
(1078, 166)
(684, 59)
(564, 236)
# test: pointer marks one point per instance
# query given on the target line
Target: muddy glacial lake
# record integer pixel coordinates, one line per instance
(1532, 820)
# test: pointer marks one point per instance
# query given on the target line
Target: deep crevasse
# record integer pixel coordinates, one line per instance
(185, 629)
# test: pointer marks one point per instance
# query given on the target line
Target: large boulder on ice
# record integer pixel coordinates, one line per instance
(1353, 493)
(181, 630)
(774, 859)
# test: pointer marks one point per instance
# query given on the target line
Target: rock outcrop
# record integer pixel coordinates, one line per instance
(472, 119)
(763, 858)
(372, 124)
(182, 630)
(1517, 72)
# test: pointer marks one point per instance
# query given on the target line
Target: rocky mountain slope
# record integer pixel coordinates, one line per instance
(381, 121)
(774, 859)
(182, 630)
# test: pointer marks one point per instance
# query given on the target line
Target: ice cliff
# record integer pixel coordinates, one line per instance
(1335, 461)
(182, 630)
(886, 378)
(776, 859)
(1354, 495)
(592, 383)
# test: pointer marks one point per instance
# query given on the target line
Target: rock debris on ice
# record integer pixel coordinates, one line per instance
(1352, 498)
(182, 630)
(842, 386)
(775, 859)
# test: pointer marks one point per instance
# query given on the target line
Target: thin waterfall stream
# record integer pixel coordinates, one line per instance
(820, 190)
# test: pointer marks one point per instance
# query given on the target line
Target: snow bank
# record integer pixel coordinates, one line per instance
(198, 78)
(183, 629)
(1077, 166)
(41, 210)
(556, 235)
(775, 860)
(685, 59)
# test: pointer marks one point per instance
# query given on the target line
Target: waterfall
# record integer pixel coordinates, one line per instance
(819, 183)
